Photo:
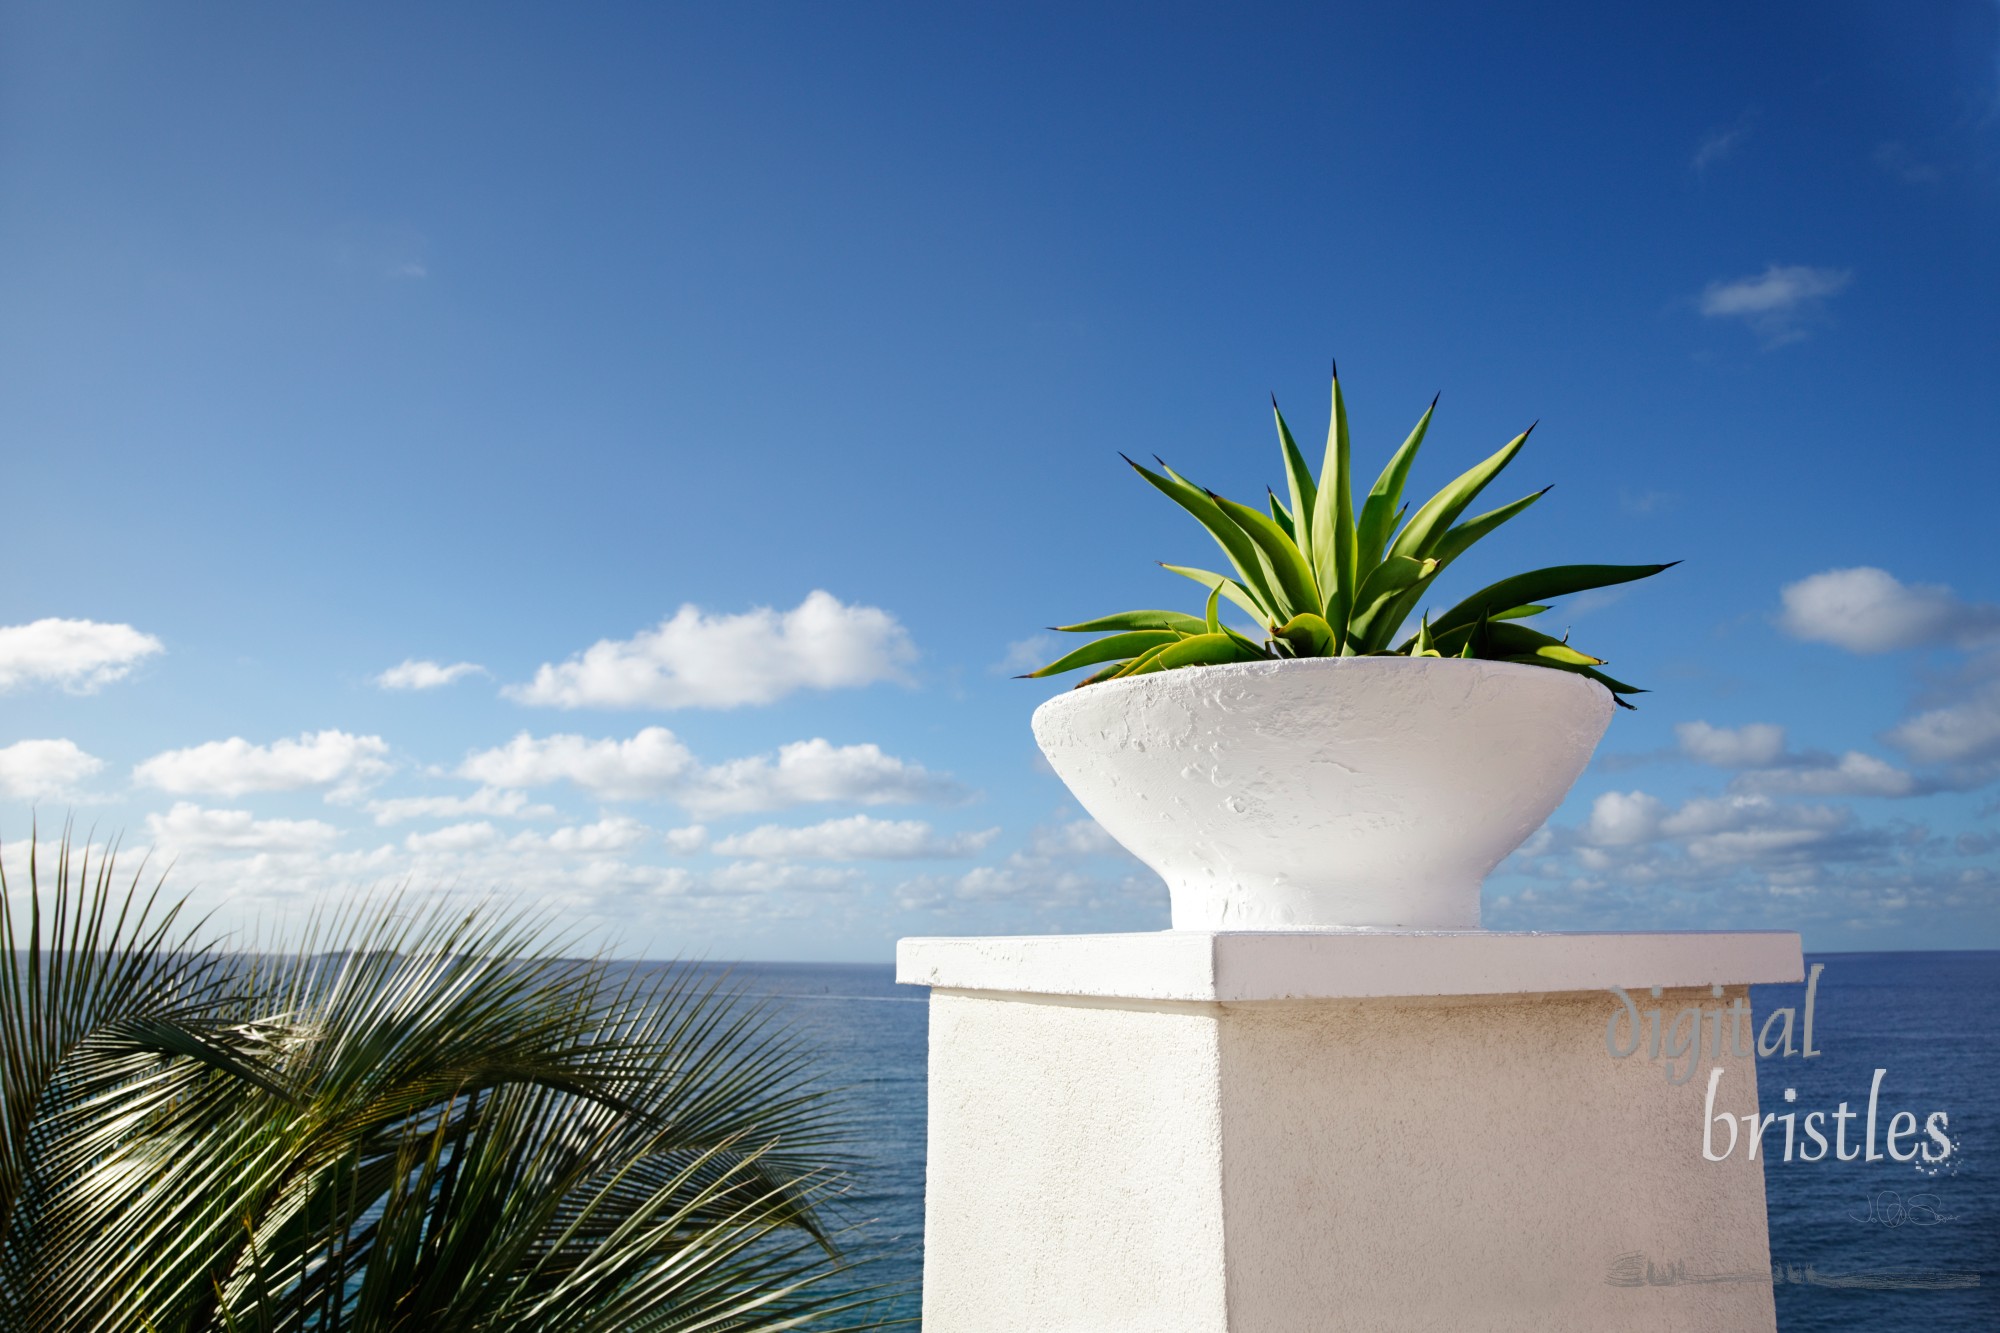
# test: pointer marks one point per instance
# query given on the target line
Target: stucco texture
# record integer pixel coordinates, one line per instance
(1378, 1164)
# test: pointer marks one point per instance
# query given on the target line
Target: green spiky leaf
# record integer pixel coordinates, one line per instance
(1109, 648)
(1384, 505)
(1542, 584)
(1427, 528)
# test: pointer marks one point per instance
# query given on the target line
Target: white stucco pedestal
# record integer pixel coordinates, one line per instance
(1188, 1132)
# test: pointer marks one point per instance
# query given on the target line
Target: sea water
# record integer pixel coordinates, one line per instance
(1854, 1245)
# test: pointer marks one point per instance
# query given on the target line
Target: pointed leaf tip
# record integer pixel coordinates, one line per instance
(1336, 367)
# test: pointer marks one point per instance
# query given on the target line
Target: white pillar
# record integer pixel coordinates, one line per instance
(1187, 1132)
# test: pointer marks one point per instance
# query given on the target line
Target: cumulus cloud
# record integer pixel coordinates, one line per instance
(235, 767)
(1063, 870)
(1964, 726)
(81, 656)
(1852, 774)
(1712, 829)
(486, 801)
(453, 838)
(1640, 838)
(1623, 818)
(187, 827)
(1778, 303)
(414, 674)
(1074, 837)
(593, 874)
(652, 763)
(1741, 860)
(1752, 746)
(33, 769)
(1748, 828)
(806, 772)
(688, 841)
(1868, 610)
(696, 660)
(769, 877)
(613, 833)
(1770, 769)
(856, 838)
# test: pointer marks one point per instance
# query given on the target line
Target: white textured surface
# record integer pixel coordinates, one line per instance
(1070, 1178)
(1327, 792)
(1313, 1166)
(1248, 966)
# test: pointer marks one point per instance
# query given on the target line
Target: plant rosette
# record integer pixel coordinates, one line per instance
(1323, 779)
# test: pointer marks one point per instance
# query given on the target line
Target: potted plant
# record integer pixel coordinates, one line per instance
(1337, 773)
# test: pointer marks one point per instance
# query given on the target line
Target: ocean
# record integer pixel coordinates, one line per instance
(1855, 1244)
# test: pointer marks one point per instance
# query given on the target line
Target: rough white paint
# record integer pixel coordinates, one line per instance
(1300, 965)
(1328, 792)
(1101, 1164)
(1070, 1175)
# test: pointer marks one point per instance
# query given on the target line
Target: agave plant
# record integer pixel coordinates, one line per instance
(1323, 579)
(416, 1121)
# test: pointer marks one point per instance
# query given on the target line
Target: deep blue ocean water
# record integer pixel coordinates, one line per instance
(1932, 1020)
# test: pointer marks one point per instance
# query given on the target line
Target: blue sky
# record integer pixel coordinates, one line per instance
(785, 351)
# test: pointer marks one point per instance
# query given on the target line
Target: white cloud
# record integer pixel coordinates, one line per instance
(688, 841)
(453, 838)
(1868, 610)
(1075, 837)
(1965, 726)
(235, 766)
(1025, 655)
(1771, 770)
(811, 771)
(1960, 733)
(653, 763)
(766, 877)
(1623, 818)
(188, 827)
(1719, 146)
(1852, 774)
(1753, 745)
(81, 656)
(614, 833)
(414, 674)
(486, 801)
(856, 838)
(32, 769)
(1734, 829)
(695, 660)
(1778, 302)
(1065, 869)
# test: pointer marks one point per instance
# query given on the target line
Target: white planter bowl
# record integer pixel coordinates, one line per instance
(1326, 793)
